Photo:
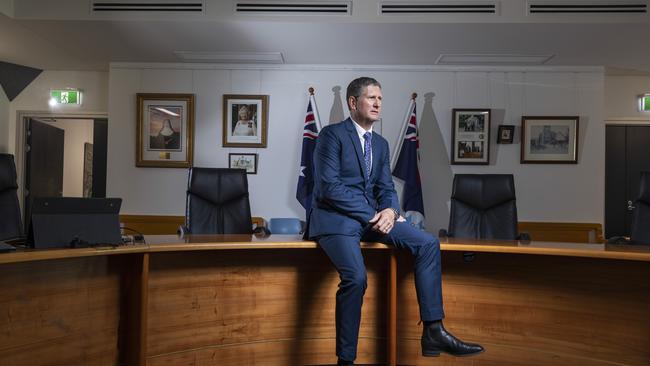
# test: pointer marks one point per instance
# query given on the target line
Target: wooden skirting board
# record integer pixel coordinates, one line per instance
(571, 232)
(539, 231)
(162, 225)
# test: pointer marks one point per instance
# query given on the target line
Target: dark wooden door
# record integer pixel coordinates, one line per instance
(43, 163)
(627, 154)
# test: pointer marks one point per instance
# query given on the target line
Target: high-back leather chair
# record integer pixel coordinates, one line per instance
(10, 222)
(640, 230)
(483, 206)
(217, 202)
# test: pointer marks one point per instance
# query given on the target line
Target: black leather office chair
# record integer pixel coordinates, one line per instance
(640, 230)
(217, 202)
(483, 206)
(10, 222)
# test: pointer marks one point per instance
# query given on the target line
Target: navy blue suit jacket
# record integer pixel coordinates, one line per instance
(344, 200)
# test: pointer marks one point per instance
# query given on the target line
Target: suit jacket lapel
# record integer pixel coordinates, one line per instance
(354, 137)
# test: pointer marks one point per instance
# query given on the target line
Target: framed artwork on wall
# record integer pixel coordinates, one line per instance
(247, 162)
(549, 140)
(470, 136)
(165, 130)
(245, 120)
(505, 134)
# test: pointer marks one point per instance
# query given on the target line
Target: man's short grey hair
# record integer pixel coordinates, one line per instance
(356, 86)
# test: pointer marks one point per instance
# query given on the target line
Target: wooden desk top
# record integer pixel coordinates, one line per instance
(172, 243)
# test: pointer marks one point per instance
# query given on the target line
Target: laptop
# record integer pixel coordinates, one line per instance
(70, 222)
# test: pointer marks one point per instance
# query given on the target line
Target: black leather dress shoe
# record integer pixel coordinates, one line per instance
(342, 362)
(436, 339)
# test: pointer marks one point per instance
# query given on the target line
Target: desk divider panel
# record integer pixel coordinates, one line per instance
(59, 312)
(265, 307)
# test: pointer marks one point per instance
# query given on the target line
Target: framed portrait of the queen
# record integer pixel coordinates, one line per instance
(245, 120)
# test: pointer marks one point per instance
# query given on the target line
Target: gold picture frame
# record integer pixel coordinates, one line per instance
(245, 120)
(165, 130)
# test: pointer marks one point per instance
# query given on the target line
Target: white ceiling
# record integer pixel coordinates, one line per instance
(66, 35)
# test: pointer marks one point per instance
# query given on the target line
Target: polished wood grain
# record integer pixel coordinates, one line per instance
(536, 310)
(135, 287)
(571, 232)
(60, 312)
(173, 243)
(243, 299)
(609, 251)
(391, 336)
(279, 305)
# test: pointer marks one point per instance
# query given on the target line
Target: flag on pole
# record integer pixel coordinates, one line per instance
(406, 167)
(309, 136)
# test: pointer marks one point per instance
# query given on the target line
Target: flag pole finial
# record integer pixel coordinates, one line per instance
(414, 95)
(311, 90)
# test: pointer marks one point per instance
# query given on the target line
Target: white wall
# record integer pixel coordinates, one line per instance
(77, 133)
(35, 96)
(558, 193)
(621, 96)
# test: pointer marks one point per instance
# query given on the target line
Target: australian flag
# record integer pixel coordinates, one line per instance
(406, 167)
(309, 136)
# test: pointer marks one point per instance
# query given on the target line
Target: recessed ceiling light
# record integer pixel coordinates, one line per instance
(493, 59)
(231, 57)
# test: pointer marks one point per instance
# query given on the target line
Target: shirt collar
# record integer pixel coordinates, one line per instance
(360, 130)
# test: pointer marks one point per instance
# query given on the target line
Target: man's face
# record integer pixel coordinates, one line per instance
(366, 108)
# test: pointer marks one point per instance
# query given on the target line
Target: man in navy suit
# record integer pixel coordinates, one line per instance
(353, 200)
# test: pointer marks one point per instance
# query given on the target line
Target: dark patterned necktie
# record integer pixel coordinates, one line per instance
(367, 151)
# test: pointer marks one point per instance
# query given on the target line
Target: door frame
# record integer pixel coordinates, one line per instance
(21, 127)
(620, 121)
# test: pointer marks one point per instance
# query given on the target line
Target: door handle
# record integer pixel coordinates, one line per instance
(629, 206)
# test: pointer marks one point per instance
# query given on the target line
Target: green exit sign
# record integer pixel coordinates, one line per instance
(644, 103)
(65, 96)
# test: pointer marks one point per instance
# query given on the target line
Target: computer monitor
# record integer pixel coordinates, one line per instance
(64, 222)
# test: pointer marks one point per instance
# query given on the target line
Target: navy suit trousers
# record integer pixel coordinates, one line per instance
(345, 253)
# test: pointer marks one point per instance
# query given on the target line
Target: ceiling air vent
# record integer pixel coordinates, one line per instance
(439, 7)
(148, 6)
(294, 7)
(587, 7)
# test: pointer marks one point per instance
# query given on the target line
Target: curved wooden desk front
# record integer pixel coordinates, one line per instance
(237, 300)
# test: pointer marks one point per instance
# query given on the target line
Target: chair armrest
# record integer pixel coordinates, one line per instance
(525, 237)
(261, 231)
(618, 240)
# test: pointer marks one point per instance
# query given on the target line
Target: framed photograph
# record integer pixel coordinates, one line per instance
(245, 120)
(549, 140)
(470, 136)
(243, 161)
(506, 134)
(165, 130)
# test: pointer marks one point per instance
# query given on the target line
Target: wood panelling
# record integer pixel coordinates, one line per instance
(539, 231)
(563, 232)
(246, 300)
(152, 224)
(278, 307)
(161, 225)
(536, 310)
(279, 352)
(59, 312)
